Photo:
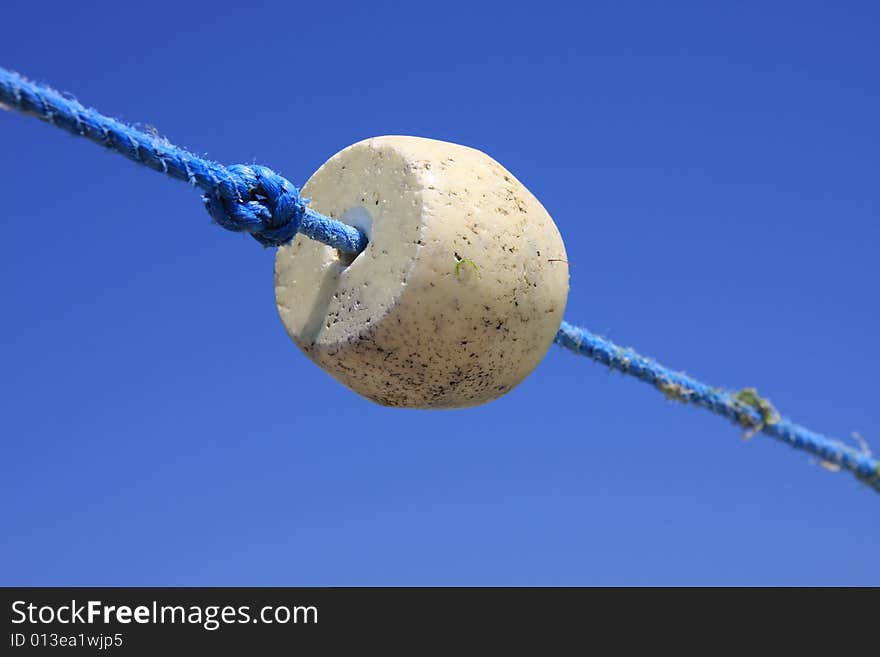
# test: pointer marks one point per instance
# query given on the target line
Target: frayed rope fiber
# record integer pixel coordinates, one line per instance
(745, 408)
(256, 200)
(240, 198)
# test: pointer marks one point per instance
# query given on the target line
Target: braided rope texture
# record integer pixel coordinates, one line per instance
(744, 408)
(256, 200)
(240, 198)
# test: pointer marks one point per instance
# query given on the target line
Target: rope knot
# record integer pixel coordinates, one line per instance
(258, 201)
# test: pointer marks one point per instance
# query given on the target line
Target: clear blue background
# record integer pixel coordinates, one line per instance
(713, 168)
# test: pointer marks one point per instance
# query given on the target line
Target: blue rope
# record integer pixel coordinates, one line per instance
(256, 200)
(240, 198)
(745, 408)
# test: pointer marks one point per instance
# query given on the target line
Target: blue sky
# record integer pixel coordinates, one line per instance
(713, 170)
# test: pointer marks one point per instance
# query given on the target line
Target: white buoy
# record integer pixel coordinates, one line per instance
(458, 295)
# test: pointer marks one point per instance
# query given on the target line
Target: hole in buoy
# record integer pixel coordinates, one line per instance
(345, 259)
(361, 219)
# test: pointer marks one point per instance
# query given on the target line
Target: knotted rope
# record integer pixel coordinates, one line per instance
(240, 198)
(256, 200)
